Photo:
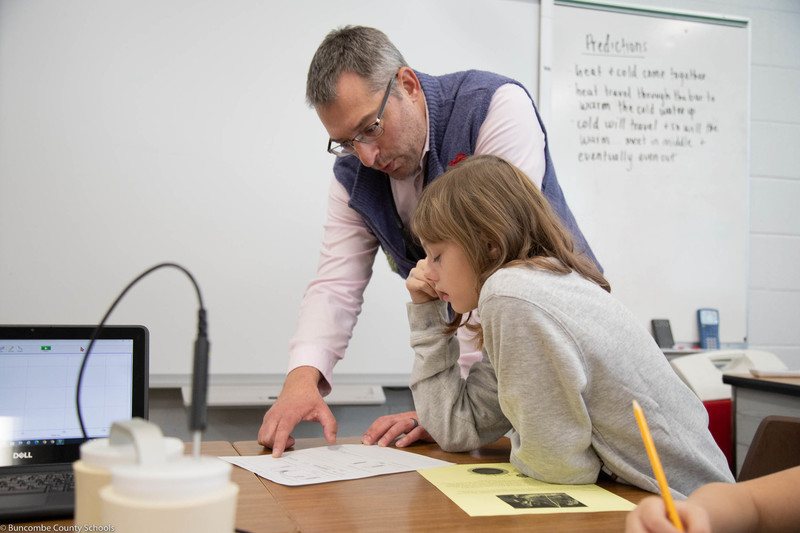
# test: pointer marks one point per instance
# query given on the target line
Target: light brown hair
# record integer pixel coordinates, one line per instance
(499, 218)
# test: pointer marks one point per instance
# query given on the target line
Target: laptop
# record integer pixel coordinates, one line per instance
(40, 435)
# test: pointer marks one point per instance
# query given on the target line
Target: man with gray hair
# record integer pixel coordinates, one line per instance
(393, 130)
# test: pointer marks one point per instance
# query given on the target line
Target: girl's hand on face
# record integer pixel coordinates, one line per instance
(419, 286)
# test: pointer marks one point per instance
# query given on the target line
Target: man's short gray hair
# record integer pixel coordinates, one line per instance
(365, 51)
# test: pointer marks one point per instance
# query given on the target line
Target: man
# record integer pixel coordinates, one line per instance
(394, 130)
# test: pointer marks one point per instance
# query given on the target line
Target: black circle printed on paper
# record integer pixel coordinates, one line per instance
(488, 471)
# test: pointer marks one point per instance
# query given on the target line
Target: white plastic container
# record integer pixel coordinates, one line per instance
(191, 494)
(93, 469)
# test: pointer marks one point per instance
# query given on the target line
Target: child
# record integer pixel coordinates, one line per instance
(562, 359)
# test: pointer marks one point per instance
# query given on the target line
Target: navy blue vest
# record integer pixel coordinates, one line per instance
(457, 106)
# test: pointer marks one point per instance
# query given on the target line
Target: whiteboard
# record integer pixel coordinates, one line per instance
(648, 129)
(135, 132)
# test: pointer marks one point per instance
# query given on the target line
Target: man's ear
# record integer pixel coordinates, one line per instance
(409, 83)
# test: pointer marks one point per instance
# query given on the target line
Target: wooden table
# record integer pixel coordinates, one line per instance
(395, 503)
(408, 502)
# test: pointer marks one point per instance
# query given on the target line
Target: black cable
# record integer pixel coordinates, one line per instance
(197, 420)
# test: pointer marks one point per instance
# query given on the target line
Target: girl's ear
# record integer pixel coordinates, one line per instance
(493, 249)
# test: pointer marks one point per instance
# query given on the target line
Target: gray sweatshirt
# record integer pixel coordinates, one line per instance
(562, 362)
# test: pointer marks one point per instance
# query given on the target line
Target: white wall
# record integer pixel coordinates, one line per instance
(139, 131)
(774, 293)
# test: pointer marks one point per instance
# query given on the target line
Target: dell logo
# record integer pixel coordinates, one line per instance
(23, 455)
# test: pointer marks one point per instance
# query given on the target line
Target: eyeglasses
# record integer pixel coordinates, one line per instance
(367, 135)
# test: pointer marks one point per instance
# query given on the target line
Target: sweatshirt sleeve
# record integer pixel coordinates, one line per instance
(460, 414)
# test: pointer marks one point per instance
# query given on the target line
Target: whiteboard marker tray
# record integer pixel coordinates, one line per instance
(264, 395)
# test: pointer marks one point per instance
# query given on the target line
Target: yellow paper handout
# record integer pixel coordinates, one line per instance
(491, 489)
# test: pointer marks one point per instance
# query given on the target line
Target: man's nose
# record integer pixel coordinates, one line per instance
(367, 153)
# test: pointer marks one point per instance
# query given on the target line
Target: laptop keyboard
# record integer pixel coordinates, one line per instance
(37, 482)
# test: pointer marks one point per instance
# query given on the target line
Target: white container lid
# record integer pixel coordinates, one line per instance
(182, 479)
(100, 453)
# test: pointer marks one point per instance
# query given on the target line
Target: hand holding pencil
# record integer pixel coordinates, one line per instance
(766, 504)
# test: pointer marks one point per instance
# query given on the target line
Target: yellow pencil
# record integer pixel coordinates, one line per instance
(658, 470)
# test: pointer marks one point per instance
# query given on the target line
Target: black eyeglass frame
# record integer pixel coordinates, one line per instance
(347, 148)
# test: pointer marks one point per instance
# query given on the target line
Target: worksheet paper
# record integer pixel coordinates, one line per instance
(333, 463)
(492, 489)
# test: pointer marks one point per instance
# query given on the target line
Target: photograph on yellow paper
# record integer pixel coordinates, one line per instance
(492, 489)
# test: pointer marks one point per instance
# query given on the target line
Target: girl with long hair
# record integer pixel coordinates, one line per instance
(562, 358)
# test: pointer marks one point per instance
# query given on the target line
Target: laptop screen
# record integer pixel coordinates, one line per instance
(39, 368)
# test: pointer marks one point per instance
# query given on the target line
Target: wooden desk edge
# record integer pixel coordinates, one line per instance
(789, 386)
